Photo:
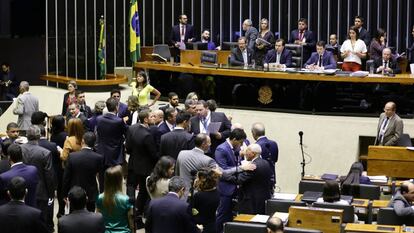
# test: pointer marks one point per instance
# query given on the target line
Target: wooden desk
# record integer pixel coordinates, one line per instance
(403, 79)
(380, 203)
(352, 227)
(243, 217)
(325, 220)
(194, 56)
(390, 161)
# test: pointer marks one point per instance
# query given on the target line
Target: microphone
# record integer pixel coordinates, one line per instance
(301, 136)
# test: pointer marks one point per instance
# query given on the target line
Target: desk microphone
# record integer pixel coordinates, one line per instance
(301, 136)
(191, 64)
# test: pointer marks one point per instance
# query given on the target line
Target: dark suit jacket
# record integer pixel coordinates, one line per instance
(309, 47)
(4, 165)
(122, 110)
(255, 188)
(141, 147)
(29, 173)
(81, 221)
(81, 170)
(64, 105)
(251, 36)
(86, 110)
(391, 64)
(224, 128)
(169, 214)
(163, 129)
(175, 141)
(163, 108)
(176, 31)
(110, 133)
(16, 217)
(365, 36)
(285, 58)
(328, 61)
(226, 159)
(236, 57)
(56, 162)
(41, 158)
(270, 150)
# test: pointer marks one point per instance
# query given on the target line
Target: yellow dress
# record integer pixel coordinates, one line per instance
(143, 94)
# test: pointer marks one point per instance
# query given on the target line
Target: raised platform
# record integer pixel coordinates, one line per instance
(111, 81)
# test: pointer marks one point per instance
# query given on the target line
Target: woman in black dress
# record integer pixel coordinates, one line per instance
(261, 47)
(206, 199)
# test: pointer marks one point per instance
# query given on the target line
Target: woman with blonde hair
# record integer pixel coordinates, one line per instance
(69, 96)
(115, 206)
(73, 142)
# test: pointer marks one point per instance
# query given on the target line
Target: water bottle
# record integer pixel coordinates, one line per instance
(253, 64)
(371, 68)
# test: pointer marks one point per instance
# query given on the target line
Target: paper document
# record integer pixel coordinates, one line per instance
(260, 218)
(283, 216)
(214, 127)
(285, 196)
(260, 41)
(410, 147)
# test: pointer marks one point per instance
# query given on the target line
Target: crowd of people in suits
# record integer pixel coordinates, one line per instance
(193, 168)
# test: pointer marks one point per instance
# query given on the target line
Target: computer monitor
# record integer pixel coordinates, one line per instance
(196, 45)
(228, 45)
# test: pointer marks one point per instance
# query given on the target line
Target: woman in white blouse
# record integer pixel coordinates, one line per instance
(353, 50)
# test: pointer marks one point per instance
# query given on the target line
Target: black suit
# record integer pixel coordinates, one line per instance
(255, 188)
(364, 35)
(391, 64)
(86, 110)
(81, 170)
(163, 129)
(224, 129)
(16, 217)
(175, 141)
(169, 214)
(81, 221)
(163, 108)
(143, 157)
(176, 32)
(236, 57)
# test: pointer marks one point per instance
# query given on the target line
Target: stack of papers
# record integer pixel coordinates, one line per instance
(285, 196)
(378, 179)
(260, 218)
(283, 216)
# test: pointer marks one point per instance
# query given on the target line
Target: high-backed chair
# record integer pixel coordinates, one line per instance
(299, 230)
(348, 216)
(242, 227)
(163, 50)
(310, 185)
(369, 191)
(387, 216)
(274, 205)
(208, 57)
(404, 140)
(297, 54)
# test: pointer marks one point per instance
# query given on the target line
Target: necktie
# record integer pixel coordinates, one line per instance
(385, 123)
(182, 32)
(204, 122)
(320, 61)
(385, 64)
(301, 35)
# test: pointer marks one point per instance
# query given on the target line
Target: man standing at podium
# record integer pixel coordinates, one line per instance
(390, 126)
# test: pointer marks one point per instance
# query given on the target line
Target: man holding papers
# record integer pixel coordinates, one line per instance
(321, 59)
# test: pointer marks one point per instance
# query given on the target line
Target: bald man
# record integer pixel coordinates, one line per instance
(386, 65)
(274, 225)
(401, 201)
(390, 126)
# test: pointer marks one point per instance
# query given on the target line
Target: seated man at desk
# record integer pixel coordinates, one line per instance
(321, 59)
(402, 199)
(278, 57)
(242, 55)
(386, 65)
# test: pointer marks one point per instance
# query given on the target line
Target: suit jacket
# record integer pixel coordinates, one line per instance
(226, 159)
(163, 129)
(401, 206)
(391, 64)
(175, 141)
(176, 32)
(41, 158)
(393, 131)
(29, 173)
(122, 110)
(285, 57)
(328, 61)
(163, 108)
(251, 36)
(169, 214)
(64, 105)
(86, 110)
(364, 35)
(56, 162)
(141, 147)
(224, 128)
(255, 188)
(236, 57)
(81, 170)
(16, 217)
(309, 47)
(81, 221)
(26, 105)
(270, 152)
(110, 133)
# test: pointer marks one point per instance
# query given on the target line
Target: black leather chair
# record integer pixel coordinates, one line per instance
(274, 205)
(163, 50)
(387, 216)
(297, 54)
(208, 57)
(241, 227)
(348, 216)
(310, 185)
(365, 191)
(404, 140)
(299, 230)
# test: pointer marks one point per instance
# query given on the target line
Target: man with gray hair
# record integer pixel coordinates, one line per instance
(170, 213)
(41, 158)
(250, 33)
(255, 186)
(190, 106)
(25, 105)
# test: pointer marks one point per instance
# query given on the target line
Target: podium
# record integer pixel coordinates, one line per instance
(391, 161)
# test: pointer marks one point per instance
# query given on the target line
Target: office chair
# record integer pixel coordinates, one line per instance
(241, 227)
(299, 230)
(404, 140)
(163, 50)
(297, 54)
(310, 185)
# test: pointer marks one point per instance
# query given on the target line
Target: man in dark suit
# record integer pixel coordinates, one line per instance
(363, 33)
(321, 59)
(41, 158)
(122, 108)
(172, 102)
(18, 168)
(242, 55)
(80, 220)
(83, 108)
(15, 216)
(390, 126)
(181, 33)
(169, 213)
(255, 186)
(74, 112)
(201, 122)
(141, 147)
(110, 132)
(386, 65)
(280, 57)
(226, 159)
(250, 33)
(179, 139)
(8, 83)
(303, 36)
(82, 169)
(169, 123)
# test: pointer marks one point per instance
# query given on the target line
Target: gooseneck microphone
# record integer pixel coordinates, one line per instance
(301, 137)
(303, 163)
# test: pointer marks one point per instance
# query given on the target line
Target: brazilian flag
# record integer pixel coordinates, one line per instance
(101, 51)
(134, 36)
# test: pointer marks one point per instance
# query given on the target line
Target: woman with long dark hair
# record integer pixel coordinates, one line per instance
(355, 176)
(353, 50)
(141, 89)
(157, 182)
(378, 44)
